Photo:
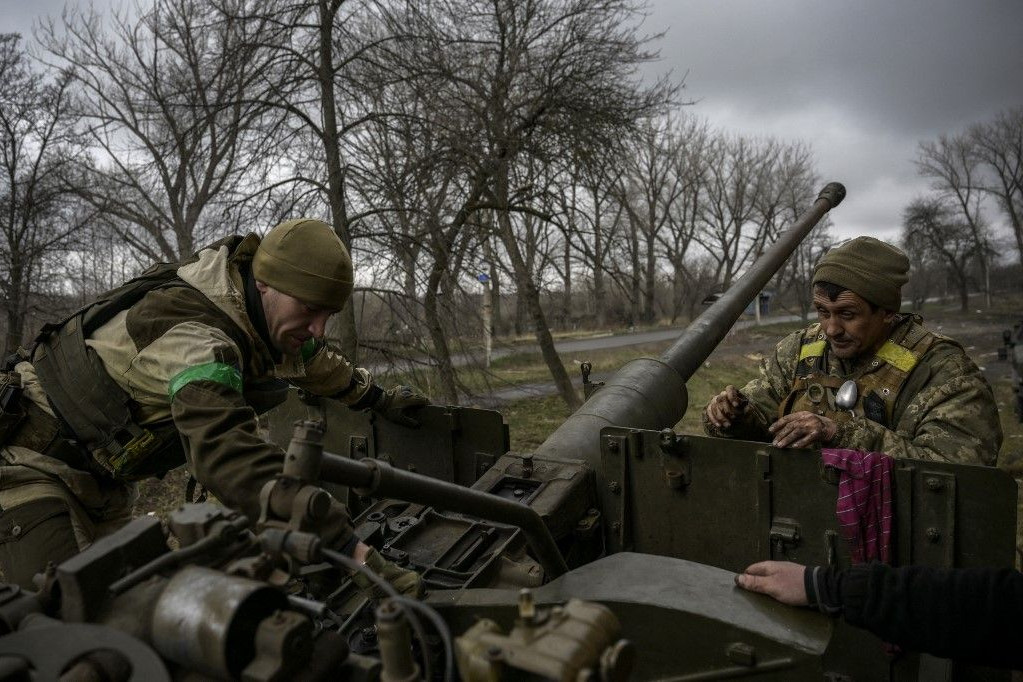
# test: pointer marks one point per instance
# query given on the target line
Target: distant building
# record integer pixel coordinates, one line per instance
(764, 300)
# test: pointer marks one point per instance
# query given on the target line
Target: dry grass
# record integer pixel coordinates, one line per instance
(735, 361)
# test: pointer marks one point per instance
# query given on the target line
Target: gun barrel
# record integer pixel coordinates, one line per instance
(706, 331)
(651, 394)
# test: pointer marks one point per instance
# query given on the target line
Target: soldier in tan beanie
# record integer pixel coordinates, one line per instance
(865, 376)
(171, 369)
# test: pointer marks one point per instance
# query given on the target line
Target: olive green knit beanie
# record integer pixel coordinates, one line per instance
(305, 258)
(868, 267)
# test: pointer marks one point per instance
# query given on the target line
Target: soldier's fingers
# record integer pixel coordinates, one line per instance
(807, 440)
(759, 568)
(784, 435)
(733, 395)
(778, 425)
(746, 581)
(800, 434)
(724, 411)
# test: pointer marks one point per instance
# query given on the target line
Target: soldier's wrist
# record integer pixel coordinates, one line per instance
(371, 399)
(349, 547)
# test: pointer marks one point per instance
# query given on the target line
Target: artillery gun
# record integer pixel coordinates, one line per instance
(606, 554)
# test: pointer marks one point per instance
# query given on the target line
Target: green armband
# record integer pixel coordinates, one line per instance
(217, 372)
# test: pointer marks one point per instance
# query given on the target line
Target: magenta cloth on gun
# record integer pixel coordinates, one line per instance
(864, 507)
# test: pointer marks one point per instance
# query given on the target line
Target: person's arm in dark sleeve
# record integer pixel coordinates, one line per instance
(973, 615)
(226, 454)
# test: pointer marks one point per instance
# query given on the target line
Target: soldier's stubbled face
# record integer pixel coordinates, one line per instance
(290, 321)
(852, 328)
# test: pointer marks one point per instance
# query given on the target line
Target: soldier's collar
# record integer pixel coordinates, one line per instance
(254, 309)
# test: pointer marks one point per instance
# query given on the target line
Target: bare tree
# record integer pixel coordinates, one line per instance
(38, 144)
(169, 102)
(953, 166)
(998, 145)
(331, 59)
(528, 79)
(789, 190)
(597, 174)
(925, 270)
(683, 214)
(800, 266)
(930, 224)
(736, 167)
(652, 187)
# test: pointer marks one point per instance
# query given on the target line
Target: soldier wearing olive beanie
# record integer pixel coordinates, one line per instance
(864, 376)
(305, 258)
(868, 267)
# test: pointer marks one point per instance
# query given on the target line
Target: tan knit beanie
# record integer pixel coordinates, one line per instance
(305, 258)
(868, 267)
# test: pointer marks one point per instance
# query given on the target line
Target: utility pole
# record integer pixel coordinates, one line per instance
(488, 306)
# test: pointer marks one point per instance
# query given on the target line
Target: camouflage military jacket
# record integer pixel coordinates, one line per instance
(945, 410)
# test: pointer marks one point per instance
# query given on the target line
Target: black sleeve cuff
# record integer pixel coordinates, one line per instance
(368, 399)
(822, 589)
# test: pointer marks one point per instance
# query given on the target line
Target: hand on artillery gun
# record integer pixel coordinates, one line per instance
(782, 580)
(803, 430)
(405, 582)
(396, 404)
(726, 406)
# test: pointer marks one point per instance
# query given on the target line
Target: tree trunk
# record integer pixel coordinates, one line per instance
(495, 285)
(985, 275)
(335, 173)
(650, 278)
(442, 353)
(677, 288)
(17, 293)
(529, 295)
(13, 336)
(599, 298)
(567, 302)
(635, 288)
(964, 294)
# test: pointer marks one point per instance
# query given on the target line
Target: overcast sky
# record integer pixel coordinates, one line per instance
(862, 81)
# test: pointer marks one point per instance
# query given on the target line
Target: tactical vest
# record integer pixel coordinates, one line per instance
(878, 383)
(96, 413)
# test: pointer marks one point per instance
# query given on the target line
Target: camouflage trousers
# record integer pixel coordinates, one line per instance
(49, 512)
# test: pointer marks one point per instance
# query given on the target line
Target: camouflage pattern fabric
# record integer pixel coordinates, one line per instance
(944, 412)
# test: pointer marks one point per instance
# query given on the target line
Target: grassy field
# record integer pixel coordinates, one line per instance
(735, 361)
